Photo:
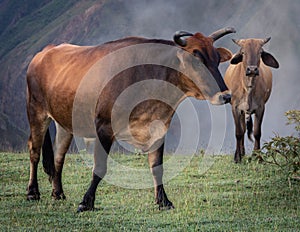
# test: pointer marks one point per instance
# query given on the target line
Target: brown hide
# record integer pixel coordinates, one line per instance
(56, 75)
(250, 82)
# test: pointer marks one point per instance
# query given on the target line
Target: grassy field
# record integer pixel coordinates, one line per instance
(228, 197)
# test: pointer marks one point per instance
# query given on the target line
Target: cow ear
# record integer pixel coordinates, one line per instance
(237, 59)
(269, 60)
(225, 54)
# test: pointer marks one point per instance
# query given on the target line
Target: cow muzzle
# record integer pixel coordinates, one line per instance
(252, 71)
(221, 98)
(227, 98)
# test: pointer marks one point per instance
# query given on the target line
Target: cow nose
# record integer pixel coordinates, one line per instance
(252, 70)
(227, 98)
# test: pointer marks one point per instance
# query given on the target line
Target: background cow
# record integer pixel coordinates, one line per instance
(250, 80)
(55, 76)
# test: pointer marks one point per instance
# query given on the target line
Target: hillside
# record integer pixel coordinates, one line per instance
(28, 29)
(27, 26)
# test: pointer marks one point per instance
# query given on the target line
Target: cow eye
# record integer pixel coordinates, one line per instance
(198, 54)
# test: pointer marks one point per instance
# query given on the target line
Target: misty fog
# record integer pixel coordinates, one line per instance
(255, 19)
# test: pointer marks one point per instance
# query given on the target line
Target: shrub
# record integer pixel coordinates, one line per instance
(293, 117)
(283, 151)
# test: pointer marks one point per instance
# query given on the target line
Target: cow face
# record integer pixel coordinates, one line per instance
(202, 48)
(251, 53)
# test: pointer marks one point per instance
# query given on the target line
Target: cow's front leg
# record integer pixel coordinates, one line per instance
(155, 160)
(257, 127)
(240, 127)
(89, 197)
(102, 148)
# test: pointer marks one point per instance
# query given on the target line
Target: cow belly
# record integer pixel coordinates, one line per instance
(145, 137)
(248, 108)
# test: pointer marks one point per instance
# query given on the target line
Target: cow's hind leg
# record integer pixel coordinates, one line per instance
(61, 145)
(155, 160)
(38, 126)
(102, 148)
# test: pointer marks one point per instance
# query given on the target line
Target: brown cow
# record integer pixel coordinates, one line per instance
(250, 82)
(56, 74)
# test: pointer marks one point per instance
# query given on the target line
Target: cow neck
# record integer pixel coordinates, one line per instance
(249, 99)
(187, 86)
(247, 93)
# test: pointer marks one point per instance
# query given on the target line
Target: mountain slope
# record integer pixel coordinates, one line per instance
(25, 34)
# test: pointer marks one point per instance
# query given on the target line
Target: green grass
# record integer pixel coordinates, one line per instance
(228, 197)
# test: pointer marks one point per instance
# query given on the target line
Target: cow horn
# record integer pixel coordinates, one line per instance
(220, 33)
(181, 41)
(237, 42)
(264, 41)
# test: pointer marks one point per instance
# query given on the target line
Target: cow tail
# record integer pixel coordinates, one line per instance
(48, 156)
(249, 126)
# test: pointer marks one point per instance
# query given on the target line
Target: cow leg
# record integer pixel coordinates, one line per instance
(257, 127)
(243, 126)
(155, 160)
(61, 145)
(240, 127)
(102, 148)
(38, 127)
(242, 145)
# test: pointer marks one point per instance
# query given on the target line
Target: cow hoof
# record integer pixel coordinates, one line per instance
(166, 206)
(237, 158)
(82, 208)
(33, 196)
(58, 196)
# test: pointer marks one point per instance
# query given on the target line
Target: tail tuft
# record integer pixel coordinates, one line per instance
(249, 125)
(48, 156)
